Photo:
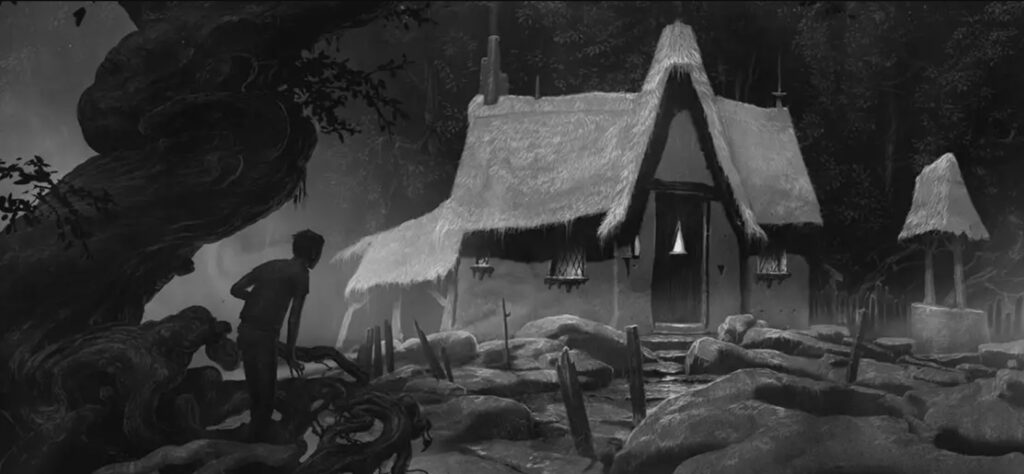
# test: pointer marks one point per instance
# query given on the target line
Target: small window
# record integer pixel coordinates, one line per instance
(771, 266)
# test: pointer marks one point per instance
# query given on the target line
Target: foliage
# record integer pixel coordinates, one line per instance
(45, 196)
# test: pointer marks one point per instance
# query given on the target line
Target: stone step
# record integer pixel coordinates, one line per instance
(670, 342)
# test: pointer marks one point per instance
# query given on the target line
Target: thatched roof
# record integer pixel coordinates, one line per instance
(529, 163)
(766, 153)
(942, 204)
(404, 255)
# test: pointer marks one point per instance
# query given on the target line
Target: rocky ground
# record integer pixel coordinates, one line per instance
(752, 399)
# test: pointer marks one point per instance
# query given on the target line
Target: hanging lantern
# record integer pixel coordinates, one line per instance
(631, 252)
(679, 246)
(568, 269)
(482, 268)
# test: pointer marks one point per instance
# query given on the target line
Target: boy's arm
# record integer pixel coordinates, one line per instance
(293, 322)
(301, 289)
(240, 289)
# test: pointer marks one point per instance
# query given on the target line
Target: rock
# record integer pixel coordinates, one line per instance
(456, 463)
(898, 345)
(976, 371)
(734, 327)
(672, 356)
(600, 341)
(429, 391)
(586, 366)
(900, 379)
(711, 356)
(996, 355)
(791, 342)
(669, 342)
(833, 333)
(461, 347)
(480, 417)
(749, 408)
(524, 351)
(530, 457)
(657, 369)
(779, 441)
(1010, 386)
(951, 360)
(971, 419)
(943, 330)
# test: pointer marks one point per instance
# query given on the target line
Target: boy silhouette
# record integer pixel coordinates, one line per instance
(268, 290)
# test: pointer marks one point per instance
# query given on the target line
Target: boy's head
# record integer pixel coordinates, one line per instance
(307, 246)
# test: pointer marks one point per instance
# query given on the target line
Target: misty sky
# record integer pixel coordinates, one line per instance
(46, 63)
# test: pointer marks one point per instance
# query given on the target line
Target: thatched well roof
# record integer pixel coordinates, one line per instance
(529, 163)
(942, 204)
(767, 156)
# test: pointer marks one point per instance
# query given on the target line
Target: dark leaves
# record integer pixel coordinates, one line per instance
(48, 200)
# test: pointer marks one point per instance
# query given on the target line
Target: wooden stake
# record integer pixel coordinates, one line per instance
(958, 273)
(365, 356)
(378, 359)
(389, 347)
(576, 411)
(851, 371)
(508, 354)
(635, 374)
(1018, 313)
(451, 299)
(428, 353)
(447, 364)
(929, 275)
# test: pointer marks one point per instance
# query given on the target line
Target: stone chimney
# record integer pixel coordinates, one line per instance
(778, 89)
(493, 82)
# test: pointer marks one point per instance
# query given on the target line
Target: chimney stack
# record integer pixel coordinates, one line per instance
(493, 82)
(778, 89)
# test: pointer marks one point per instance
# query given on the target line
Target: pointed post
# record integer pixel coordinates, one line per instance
(778, 91)
(447, 361)
(635, 374)
(389, 348)
(378, 359)
(428, 353)
(505, 315)
(365, 356)
(575, 410)
(851, 370)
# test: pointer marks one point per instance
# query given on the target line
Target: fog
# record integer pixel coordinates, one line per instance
(46, 63)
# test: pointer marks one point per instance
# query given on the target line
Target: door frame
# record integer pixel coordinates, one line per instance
(706, 194)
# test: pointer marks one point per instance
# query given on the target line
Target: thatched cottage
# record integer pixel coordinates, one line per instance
(669, 208)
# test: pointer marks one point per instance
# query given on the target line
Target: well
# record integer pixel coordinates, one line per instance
(941, 330)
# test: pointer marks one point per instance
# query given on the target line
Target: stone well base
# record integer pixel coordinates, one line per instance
(941, 330)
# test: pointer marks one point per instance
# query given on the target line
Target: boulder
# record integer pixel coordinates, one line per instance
(997, 355)
(973, 418)
(429, 390)
(939, 329)
(532, 457)
(898, 345)
(586, 366)
(659, 369)
(761, 421)
(456, 463)
(833, 333)
(480, 417)
(525, 352)
(951, 360)
(460, 345)
(601, 341)
(1010, 386)
(976, 371)
(711, 356)
(734, 327)
(791, 342)
(900, 379)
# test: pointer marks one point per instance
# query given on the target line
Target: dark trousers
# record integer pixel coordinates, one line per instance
(259, 358)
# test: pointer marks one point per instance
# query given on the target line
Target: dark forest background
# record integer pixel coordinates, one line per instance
(876, 90)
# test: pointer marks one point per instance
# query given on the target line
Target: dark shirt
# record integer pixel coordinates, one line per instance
(274, 285)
